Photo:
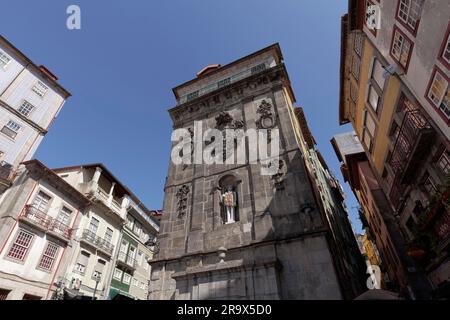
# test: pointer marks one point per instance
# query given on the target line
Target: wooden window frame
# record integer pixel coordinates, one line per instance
(405, 24)
(430, 83)
(443, 48)
(55, 257)
(28, 249)
(411, 49)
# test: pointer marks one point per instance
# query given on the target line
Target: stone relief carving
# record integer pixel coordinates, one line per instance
(225, 121)
(278, 178)
(266, 118)
(182, 198)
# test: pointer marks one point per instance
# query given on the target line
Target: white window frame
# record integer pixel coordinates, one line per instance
(438, 102)
(399, 45)
(410, 12)
(5, 59)
(40, 202)
(118, 274)
(94, 226)
(64, 216)
(79, 268)
(11, 129)
(25, 108)
(40, 89)
(126, 278)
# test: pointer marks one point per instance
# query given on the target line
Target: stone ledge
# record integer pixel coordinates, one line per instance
(228, 266)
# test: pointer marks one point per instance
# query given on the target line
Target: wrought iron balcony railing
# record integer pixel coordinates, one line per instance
(45, 222)
(224, 82)
(411, 145)
(96, 241)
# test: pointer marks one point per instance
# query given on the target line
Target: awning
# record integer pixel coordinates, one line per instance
(117, 294)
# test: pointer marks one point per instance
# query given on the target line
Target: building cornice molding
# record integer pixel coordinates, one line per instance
(37, 127)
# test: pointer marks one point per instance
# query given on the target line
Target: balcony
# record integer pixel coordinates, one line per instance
(126, 261)
(45, 223)
(225, 82)
(412, 143)
(99, 243)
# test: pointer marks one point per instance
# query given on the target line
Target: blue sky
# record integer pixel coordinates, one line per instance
(123, 63)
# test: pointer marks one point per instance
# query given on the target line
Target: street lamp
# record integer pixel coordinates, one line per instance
(97, 277)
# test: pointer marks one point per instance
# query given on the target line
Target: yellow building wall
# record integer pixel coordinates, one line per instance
(382, 141)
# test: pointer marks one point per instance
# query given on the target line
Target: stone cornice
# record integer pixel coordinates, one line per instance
(222, 98)
(23, 118)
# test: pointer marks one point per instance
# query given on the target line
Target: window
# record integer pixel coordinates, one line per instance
(108, 235)
(353, 99)
(130, 222)
(131, 255)
(444, 54)
(229, 207)
(93, 226)
(430, 185)
(137, 229)
(444, 162)
(30, 297)
(4, 294)
(259, 68)
(355, 68)
(358, 45)
(11, 129)
(123, 250)
(79, 268)
(145, 262)
(401, 48)
(368, 130)
(48, 257)
(192, 95)
(126, 278)
(25, 108)
(98, 269)
(64, 216)
(96, 275)
(374, 98)
(41, 201)
(139, 258)
(377, 73)
(135, 282)
(409, 12)
(21, 245)
(118, 274)
(40, 89)
(4, 60)
(142, 285)
(82, 262)
(439, 93)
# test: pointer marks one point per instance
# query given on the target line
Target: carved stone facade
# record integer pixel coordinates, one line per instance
(277, 247)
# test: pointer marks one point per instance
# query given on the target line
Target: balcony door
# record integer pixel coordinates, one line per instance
(64, 216)
(123, 251)
(93, 226)
(41, 201)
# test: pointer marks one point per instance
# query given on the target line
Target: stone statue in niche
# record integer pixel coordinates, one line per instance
(229, 203)
(228, 199)
(266, 119)
(181, 195)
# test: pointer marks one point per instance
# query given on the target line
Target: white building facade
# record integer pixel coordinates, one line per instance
(30, 99)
